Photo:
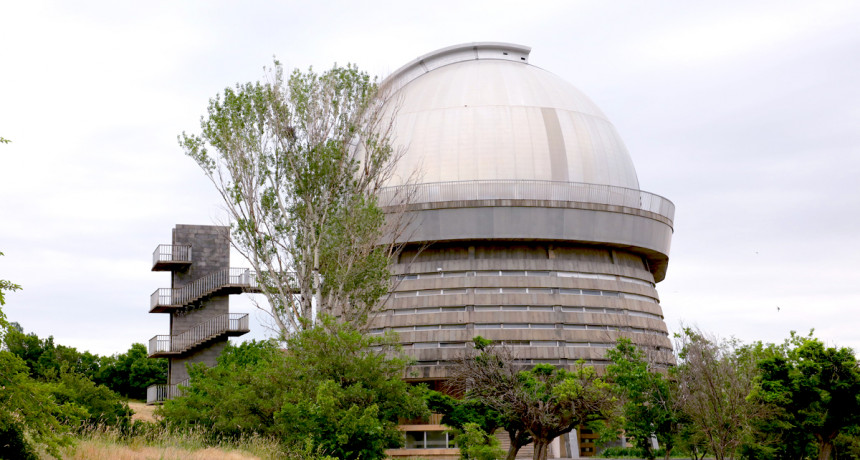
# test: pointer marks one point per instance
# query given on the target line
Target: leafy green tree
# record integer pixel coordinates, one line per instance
(130, 373)
(98, 406)
(240, 395)
(649, 398)
(816, 390)
(477, 444)
(547, 400)
(5, 286)
(29, 414)
(298, 161)
(332, 387)
(715, 378)
(456, 413)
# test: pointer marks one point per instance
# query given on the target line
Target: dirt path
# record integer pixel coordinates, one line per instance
(142, 411)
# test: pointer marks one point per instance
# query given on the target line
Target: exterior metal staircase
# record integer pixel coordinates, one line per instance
(227, 281)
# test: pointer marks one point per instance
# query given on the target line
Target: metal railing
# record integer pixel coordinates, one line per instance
(581, 192)
(162, 392)
(199, 333)
(230, 277)
(171, 253)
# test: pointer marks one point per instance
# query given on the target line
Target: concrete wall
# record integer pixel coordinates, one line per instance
(445, 296)
(210, 253)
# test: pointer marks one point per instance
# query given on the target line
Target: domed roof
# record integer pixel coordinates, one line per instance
(480, 111)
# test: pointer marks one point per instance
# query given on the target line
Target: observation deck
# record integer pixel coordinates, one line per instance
(171, 257)
(537, 210)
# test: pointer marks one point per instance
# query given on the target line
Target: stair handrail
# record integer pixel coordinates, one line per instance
(239, 277)
(200, 332)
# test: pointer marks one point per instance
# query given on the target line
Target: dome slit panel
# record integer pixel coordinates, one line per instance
(540, 165)
(557, 151)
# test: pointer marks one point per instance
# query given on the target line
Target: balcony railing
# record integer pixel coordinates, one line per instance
(167, 255)
(229, 324)
(527, 190)
(240, 279)
(159, 393)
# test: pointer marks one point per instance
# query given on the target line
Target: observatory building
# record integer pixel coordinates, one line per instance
(528, 226)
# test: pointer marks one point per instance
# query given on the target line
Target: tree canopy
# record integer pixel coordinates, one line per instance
(297, 162)
(547, 401)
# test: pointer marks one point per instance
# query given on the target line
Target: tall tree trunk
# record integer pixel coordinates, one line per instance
(541, 446)
(519, 438)
(825, 448)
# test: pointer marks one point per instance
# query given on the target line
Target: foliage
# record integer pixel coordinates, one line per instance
(456, 413)
(650, 402)
(333, 387)
(816, 391)
(46, 360)
(477, 444)
(239, 395)
(130, 373)
(5, 286)
(96, 404)
(28, 414)
(547, 401)
(297, 162)
(628, 452)
(715, 377)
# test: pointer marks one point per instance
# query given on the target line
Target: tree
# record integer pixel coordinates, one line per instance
(28, 413)
(649, 398)
(130, 373)
(547, 401)
(332, 387)
(817, 392)
(298, 163)
(715, 377)
(5, 286)
(477, 444)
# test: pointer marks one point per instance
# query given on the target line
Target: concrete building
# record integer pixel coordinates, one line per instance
(528, 224)
(197, 300)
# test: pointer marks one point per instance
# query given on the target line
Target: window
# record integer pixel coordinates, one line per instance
(429, 440)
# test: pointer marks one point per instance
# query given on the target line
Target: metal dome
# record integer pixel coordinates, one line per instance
(481, 112)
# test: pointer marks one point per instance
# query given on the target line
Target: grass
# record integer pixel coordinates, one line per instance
(154, 442)
(142, 412)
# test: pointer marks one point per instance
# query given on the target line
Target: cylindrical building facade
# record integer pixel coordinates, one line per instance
(527, 225)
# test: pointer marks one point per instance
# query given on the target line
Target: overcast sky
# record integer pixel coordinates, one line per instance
(745, 114)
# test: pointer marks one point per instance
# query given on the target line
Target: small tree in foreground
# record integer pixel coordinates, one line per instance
(298, 162)
(650, 402)
(714, 378)
(547, 401)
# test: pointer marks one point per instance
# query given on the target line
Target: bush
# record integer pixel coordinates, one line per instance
(333, 387)
(476, 444)
(13, 443)
(629, 452)
(100, 406)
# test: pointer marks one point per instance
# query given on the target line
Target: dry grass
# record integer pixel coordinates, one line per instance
(161, 443)
(142, 411)
(99, 450)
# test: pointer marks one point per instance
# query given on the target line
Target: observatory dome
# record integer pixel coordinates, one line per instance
(480, 111)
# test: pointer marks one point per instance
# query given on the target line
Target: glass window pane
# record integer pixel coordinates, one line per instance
(437, 440)
(414, 440)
